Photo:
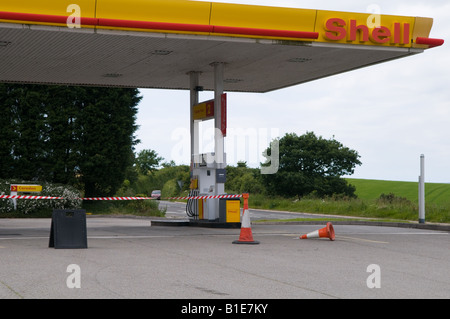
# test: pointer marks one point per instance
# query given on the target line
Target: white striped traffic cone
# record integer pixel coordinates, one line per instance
(246, 236)
(326, 232)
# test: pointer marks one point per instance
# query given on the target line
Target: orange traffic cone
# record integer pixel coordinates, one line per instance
(327, 232)
(246, 236)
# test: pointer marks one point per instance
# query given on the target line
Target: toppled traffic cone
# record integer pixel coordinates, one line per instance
(326, 232)
(246, 236)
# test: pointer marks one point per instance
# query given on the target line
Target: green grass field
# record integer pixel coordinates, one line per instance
(401, 202)
(435, 193)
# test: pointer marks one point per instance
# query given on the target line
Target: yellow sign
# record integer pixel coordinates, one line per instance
(226, 19)
(233, 211)
(26, 188)
(204, 111)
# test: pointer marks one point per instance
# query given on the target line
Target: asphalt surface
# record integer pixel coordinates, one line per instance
(129, 258)
(177, 210)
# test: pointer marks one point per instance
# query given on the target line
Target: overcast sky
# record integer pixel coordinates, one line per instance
(389, 130)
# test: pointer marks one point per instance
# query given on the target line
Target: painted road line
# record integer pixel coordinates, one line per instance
(361, 239)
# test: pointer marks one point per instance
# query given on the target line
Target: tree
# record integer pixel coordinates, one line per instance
(63, 106)
(73, 135)
(22, 147)
(243, 179)
(147, 161)
(105, 134)
(7, 132)
(309, 163)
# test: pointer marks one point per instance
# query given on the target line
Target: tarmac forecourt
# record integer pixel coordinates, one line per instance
(128, 258)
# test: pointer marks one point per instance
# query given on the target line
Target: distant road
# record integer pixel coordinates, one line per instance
(178, 210)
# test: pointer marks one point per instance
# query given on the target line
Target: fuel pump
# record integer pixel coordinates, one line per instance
(207, 179)
(208, 171)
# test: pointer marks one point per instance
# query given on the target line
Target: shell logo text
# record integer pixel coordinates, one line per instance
(338, 29)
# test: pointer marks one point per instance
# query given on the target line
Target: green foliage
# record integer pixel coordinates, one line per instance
(437, 198)
(72, 135)
(391, 198)
(309, 163)
(242, 179)
(170, 189)
(437, 193)
(398, 209)
(39, 207)
(107, 138)
(169, 175)
(147, 161)
(136, 207)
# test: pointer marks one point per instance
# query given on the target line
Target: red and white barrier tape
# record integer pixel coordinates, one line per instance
(206, 197)
(115, 198)
(118, 198)
(28, 197)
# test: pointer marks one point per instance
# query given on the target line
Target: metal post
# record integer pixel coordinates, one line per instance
(192, 204)
(218, 138)
(194, 85)
(422, 190)
(219, 148)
